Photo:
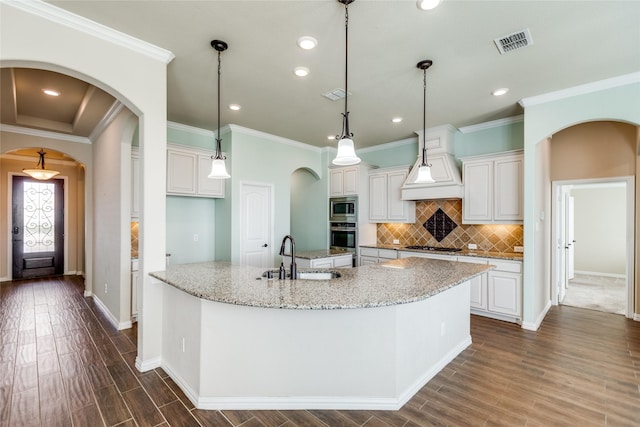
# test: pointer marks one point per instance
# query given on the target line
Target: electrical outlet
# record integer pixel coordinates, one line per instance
(195, 237)
(106, 287)
(443, 329)
(518, 249)
(396, 241)
(472, 246)
(183, 345)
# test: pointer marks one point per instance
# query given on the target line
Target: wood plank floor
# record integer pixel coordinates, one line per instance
(63, 364)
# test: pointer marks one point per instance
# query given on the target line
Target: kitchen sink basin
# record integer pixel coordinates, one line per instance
(304, 275)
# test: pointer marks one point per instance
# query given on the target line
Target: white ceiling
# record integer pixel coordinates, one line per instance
(574, 43)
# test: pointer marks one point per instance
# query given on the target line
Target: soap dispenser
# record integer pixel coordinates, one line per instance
(282, 273)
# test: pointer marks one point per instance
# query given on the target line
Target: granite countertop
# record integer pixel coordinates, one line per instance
(510, 256)
(395, 282)
(320, 253)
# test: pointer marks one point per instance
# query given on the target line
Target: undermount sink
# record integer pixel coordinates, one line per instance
(304, 275)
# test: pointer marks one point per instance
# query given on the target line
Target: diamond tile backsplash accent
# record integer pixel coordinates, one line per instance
(134, 239)
(440, 225)
(488, 237)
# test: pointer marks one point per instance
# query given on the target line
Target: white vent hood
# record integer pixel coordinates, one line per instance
(444, 168)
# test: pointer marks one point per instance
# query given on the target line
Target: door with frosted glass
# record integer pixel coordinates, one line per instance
(38, 227)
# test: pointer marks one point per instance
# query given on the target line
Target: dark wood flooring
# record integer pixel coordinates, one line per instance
(63, 364)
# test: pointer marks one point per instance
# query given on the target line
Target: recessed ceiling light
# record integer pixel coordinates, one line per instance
(234, 107)
(396, 119)
(301, 71)
(427, 4)
(307, 42)
(51, 92)
(331, 137)
(500, 92)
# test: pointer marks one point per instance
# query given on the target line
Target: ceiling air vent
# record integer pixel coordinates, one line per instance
(513, 41)
(335, 94)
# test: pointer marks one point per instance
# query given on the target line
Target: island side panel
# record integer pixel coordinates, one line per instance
(181, 341)
(431, 333)
(290, 359)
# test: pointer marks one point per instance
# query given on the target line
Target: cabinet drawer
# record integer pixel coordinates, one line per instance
(343, 261)
(387, 253)
(512, 267)
(372, 252)
(473, 260)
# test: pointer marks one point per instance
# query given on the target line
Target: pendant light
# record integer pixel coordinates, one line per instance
(218, 168)
(346, 153)
(40, 172)
(424, 171)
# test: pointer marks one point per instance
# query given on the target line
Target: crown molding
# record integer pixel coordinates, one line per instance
(44, 134)
(581, 90)
(492, 124)
(109, 117)
(31, 159)
(388, 145)
(77, 22)
(274, 138)
(191, 129)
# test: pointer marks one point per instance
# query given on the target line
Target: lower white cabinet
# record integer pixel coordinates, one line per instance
(340, 261)
(135, 283)
(369, 256)
(407, 254)
(497, 293)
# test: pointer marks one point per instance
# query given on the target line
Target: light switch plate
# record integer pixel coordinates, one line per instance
(396, 241)
(518, 249)
(472, 246)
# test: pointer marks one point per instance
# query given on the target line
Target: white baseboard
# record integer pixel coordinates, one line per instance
(535, 325)
(315, 402)
(112, 319)
(147, 365)
(599, 274)
(496, 316)
(4, 279)
(88, 293)
(636, 317)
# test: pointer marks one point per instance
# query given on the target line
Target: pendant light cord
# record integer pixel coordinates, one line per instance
(345, 115)
(218, 154)
(424, 119)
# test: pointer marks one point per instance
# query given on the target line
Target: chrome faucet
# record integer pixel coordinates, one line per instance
(294, 269)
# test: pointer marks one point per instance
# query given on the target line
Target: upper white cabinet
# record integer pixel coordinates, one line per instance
(135, 182)
(344, 181)
(493, 188)
(385, 197)
(187, 171)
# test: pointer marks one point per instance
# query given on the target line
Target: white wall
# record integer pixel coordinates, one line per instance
(600, 229)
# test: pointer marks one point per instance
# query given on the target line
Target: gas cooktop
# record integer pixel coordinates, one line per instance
(433, 248)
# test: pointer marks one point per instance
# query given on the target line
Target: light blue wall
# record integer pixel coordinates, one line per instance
(394, 154)
(496, 139)
(309, 211)
(186, 217)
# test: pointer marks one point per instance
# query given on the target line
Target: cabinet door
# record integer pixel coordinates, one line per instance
(479, 292)
(477, 204)
(378, 198)
(351, 181)
(397, 209)
(322, 263)
(505, 292)
(403, 254)
(508, 185)
(135, 185)
(181, 172)
(343, 261)
(336, 182)
(135, 278)
(365, 260)
(206, 186)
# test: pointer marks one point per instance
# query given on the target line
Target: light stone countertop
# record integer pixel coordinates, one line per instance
(319, 253)
(509, 256)
(395, 282)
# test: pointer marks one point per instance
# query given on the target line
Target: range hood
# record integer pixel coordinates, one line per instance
(444, 168)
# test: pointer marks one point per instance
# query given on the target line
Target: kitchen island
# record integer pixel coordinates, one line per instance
(370, 339)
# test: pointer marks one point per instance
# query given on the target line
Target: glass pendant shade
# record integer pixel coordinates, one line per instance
(424, 174)
(41, 174)
(346, 153)
(218, 170)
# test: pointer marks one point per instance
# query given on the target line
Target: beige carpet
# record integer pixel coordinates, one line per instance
(597, 293)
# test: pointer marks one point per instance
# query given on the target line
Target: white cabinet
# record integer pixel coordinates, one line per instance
(344, 181)
(497, 293)
(135, 182)
(369, 256)
(493, 189)
(187, 171)
(385, 197)
(135, 282)
(340, 261)
(407, 254)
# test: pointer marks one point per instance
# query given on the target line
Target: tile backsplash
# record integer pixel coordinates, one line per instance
(488, 237)
(134, 239)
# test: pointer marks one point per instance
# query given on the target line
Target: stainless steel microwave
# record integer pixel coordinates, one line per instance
(343, 209)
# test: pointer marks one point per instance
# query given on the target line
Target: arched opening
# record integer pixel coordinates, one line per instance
(308, 210)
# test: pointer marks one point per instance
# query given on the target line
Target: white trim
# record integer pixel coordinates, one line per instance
(112, 319)
(274, 138)
(87, 293)
(581, 90)
(5, 279)
(600, 274)
(109, 117)
(44, 133)
(497, 316)
(492, 124)
(147, 365)
(535, 325)
(79, 23)
(636, 317)
(388, 145)
(22, 158)
(192, 129)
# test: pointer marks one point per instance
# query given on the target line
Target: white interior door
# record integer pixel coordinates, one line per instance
(570, 239)
(256, 225)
